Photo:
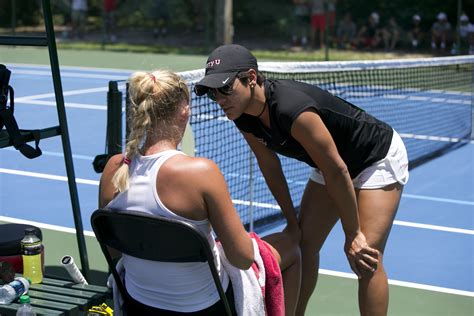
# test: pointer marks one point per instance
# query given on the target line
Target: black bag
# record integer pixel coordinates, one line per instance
(8, 120)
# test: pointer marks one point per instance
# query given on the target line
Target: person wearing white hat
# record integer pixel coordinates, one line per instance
(441, 33)
(466, 35)
(371, 34)
(416, 33)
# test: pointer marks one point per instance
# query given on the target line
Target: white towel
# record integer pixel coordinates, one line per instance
(248, 285)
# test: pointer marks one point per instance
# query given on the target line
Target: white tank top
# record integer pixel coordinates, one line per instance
(182, 287)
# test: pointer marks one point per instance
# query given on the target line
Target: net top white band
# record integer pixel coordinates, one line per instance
(194, 76)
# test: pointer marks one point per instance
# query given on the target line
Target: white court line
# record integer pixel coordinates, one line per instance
(74, 68)
(65, 93)
(434, 227)
(46, 176)
(403, 283)
(437, 138)
(322, 271)
(44, 225)
(431, 198)
(70, 75)
(66, 104)
(237, 202)
(56, 154)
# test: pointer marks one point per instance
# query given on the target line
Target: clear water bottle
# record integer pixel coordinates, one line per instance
(13, 290)
(31, 248)
(25, 308)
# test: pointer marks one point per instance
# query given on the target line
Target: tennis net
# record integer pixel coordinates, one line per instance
(428, 101)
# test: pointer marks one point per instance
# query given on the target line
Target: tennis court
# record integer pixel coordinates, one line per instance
(430, 254)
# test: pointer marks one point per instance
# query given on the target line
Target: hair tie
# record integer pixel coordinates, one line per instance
(126, 160)
(153, 78)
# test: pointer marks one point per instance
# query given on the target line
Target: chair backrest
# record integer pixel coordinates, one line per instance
(153, 238)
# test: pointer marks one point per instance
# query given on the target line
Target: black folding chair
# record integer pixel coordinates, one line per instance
(153, 238)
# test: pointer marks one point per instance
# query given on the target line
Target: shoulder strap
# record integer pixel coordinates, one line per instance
(7, 119)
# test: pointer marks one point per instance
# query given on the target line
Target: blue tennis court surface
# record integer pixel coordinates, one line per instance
(432, 241)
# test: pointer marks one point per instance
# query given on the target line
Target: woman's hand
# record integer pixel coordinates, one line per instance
(360, 255)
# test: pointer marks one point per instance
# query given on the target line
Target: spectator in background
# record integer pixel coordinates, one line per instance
(78, 15)
(371, 35)
(346, 32)
(441, 33)
(320, 9)
(466, 35)
(318, 22)
(415, 34)
(392, 33)
(109, 7)
(301, 23)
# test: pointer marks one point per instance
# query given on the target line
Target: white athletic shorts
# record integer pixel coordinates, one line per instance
(393, 168)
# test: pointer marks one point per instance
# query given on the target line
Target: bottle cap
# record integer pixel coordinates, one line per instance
(24, 299)
(29, 231)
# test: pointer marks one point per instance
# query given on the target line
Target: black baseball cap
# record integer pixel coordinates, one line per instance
(223, 65)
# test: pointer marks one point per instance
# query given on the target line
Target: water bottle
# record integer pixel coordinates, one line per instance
(25, 308)
(11, 291)
(31, 252)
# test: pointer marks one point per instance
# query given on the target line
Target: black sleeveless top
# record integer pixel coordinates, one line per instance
(360, 138)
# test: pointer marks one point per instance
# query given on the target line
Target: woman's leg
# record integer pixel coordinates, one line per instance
(317, 217)
(288, 256)
(377, 210)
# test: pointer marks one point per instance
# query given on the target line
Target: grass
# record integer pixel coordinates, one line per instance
(283, 54)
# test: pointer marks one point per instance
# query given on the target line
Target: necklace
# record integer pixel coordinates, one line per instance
(263, 110)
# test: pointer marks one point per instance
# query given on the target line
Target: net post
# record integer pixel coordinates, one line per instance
(251, 195)
(114, 119)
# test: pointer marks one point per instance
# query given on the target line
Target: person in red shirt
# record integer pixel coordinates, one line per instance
(109, 19)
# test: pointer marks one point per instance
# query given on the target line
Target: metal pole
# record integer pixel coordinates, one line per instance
(58, 91)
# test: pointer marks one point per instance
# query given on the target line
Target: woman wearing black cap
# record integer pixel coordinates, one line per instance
(360, 165)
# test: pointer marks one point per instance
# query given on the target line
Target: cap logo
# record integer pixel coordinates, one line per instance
(212, 63)
(225, 81)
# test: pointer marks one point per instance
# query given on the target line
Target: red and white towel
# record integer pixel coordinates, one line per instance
(259, 289)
